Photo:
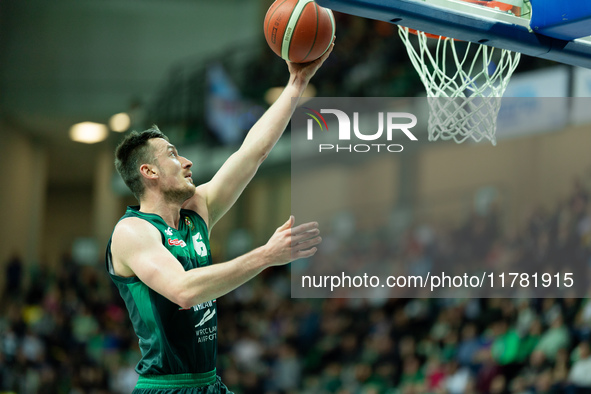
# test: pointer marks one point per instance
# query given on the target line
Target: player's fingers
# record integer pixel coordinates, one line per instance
(302, 228)
(328, 51)
(331, 47)
(304, 253)
(295, 239)
(307, 244)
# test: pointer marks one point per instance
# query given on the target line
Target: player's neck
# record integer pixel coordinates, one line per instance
(170, 212)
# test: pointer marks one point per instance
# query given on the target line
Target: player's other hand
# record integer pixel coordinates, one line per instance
(307, 70)
(290, 243)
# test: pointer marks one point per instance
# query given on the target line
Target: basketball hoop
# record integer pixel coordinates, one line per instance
(464, 82)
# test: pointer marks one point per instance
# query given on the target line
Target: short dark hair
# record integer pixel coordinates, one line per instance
(131, 153)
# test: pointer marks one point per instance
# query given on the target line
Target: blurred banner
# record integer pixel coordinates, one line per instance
(228, 114)
(528, 94)
(223, 106)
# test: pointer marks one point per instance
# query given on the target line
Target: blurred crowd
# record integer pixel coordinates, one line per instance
(64, 329)
(415, 345)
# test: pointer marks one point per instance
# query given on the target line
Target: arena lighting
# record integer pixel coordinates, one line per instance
(273, 94)
(88, 132)
(120, 122)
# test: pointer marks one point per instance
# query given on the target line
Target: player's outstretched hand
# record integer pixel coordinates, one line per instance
(290, 243)
(307, 70)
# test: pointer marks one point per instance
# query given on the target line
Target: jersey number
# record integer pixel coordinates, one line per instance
(199, 245)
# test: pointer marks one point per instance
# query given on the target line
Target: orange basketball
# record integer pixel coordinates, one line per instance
(299, 30)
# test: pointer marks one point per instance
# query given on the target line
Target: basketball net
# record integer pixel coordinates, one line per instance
(464, 81)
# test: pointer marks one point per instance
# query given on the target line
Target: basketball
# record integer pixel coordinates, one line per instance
(299, 31)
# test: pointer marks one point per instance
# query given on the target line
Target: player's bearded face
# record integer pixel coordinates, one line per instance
(178, 192)
(176, 184)
(176, 187)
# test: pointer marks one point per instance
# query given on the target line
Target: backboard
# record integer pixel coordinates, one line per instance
(557, 30)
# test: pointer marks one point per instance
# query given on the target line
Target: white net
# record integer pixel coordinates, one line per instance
(464, 81)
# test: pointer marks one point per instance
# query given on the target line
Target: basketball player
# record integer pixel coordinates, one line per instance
(159, 255)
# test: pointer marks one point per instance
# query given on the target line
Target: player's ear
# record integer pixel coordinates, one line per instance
(149, 171)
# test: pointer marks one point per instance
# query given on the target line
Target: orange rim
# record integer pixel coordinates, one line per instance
(490, 4)
(428, 35)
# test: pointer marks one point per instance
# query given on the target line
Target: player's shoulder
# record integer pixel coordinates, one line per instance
(132, 227)
(132, 236)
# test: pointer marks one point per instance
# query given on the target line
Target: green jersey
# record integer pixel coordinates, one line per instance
(172, 340)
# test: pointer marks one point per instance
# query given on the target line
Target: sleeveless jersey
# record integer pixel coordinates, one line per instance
(172, 340)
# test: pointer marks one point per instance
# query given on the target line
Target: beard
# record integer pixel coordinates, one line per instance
(179, 195)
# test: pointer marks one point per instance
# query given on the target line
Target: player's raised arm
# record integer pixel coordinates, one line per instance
(218, 195)
(137, 250)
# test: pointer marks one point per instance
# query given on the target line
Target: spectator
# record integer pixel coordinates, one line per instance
(286, 371)
(555, 338)
(469, 345)
(529, 342)
(535, 367)
(505, 346)
(457, 378)
(14, 276)
(583, 320)
(580, 373)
